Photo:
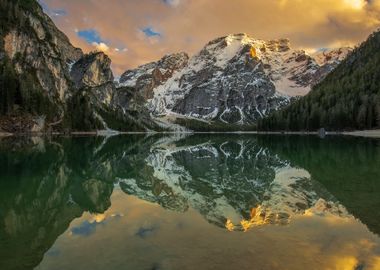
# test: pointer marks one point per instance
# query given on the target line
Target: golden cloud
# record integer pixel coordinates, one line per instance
(188, 25)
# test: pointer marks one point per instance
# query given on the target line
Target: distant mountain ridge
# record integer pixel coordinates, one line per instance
(349, 97)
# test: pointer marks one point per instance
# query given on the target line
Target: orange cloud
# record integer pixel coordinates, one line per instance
(187, 25)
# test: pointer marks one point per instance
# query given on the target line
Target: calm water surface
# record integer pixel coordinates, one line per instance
(190, 202)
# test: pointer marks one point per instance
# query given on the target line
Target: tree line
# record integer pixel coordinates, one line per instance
(349, 97)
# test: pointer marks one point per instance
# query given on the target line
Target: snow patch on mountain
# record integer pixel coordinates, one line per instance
(234, 79)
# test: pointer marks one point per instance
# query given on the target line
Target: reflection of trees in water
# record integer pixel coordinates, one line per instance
(45, 186)
(349, 168)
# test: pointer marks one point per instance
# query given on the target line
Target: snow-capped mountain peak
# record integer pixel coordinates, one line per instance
(234, 79)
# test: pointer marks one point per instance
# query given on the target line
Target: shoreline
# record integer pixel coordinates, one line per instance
(358, 133)
(364, 133)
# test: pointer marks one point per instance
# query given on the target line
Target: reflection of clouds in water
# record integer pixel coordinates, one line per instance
(88, 227)
(53, 252)
(205, 184)
(315, 241)
(147, 230)
(85, 229)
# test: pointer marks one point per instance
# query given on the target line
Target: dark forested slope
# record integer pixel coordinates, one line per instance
(349, 97)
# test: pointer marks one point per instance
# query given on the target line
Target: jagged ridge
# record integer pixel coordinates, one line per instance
(233, 80)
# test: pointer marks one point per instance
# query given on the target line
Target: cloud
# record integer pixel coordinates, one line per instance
(188, 25)
(121, 49)
(146, 231)
(92, 36)
(101, 47)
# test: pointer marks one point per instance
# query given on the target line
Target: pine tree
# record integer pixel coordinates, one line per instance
(346, 99)
(378, 112)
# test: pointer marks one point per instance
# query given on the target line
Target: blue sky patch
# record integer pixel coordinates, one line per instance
(150, 32)
(52, 12)
(58, 12)
(90, 35)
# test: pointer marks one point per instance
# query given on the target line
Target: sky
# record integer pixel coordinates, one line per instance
(135, 32)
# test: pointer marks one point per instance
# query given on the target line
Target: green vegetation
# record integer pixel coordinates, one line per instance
(21, 93)
(349, 98)
(117, 121)
(10, 93)
(30, 5)
(347, 166)
(12, 14)
(80, 114)
(85, 113)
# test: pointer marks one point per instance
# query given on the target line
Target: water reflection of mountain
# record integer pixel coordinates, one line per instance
(234, 181)
(349, 168)
(45, 184)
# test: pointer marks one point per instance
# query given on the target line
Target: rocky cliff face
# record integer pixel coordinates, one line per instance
(147, 77)
(39, 55)
(234, 80)
(51, 79)
(94, 71)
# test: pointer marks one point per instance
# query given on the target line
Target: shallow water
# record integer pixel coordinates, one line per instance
(190, 202)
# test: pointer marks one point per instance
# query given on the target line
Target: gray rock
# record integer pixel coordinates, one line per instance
(92, 70)
(232, 80)
(149, 76)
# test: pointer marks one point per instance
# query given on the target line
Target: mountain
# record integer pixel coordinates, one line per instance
(349, 97)
(233, 80)
(47, 84)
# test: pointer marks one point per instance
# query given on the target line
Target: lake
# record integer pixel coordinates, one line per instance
(202, 201)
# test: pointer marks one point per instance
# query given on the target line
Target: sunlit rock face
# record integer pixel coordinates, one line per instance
(56, 80)
(44, 49)
(94, 71)
(234, 79)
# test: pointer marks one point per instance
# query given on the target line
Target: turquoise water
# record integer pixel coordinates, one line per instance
(190, 202)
